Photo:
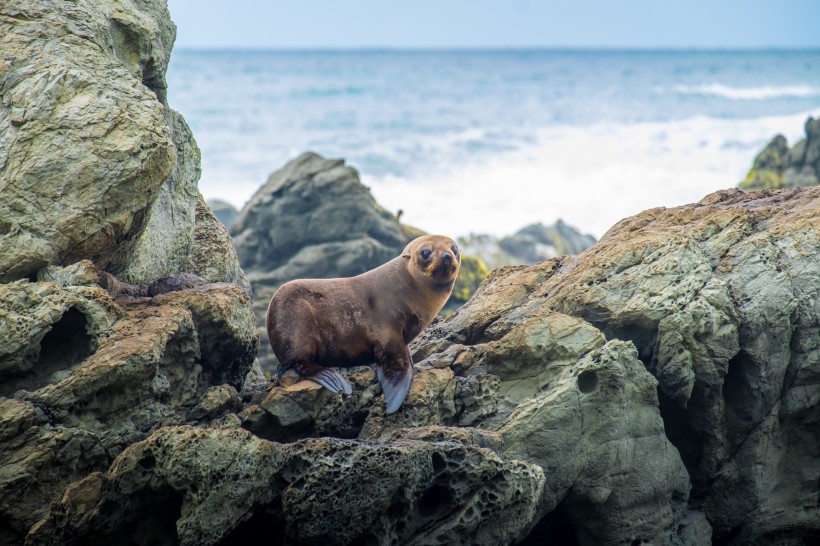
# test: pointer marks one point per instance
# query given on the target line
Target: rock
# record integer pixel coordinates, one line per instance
(312, 219)
(82, 377)
(213, 256)
(182, 486)
(718, 298)
(529, 245)
(660, 387)
(470, 275)
(226, 213)
(90, 82)
(66, 88)
(778, 166)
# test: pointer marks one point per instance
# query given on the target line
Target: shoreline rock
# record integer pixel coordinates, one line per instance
(778, 166)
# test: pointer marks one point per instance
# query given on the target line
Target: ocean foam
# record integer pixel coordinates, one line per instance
(590, 177)
(748, 93)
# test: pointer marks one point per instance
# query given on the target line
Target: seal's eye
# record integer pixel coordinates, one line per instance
(426, 253)
(454, 248)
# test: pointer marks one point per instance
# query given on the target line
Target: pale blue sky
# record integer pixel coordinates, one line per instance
(306, 24)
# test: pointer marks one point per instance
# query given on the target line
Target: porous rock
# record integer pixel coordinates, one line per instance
(182, 485)
(83, 377)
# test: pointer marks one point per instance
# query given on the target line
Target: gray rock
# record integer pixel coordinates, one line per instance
(319, 206)
(226, 213)
(529, 245)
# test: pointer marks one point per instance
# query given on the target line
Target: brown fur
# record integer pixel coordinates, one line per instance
(318, 323)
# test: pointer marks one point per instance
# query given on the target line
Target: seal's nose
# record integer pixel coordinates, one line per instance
(447, 257)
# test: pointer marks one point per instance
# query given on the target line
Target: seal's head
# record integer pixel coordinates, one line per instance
(433, 261)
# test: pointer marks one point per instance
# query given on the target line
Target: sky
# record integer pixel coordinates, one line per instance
(321, 24)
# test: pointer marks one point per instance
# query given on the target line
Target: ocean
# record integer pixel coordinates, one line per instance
(489, 141)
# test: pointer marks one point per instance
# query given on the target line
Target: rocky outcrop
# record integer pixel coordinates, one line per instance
(89, 81)
(97, 172)
(313, 218)
(183, 486)
(527, 246)
(83, 375)
(661, 387)
(779, 166)
(226, 213)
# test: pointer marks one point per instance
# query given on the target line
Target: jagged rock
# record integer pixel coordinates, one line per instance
(89, 82)
(82, 377)
(714, 299)
(313, 218)
(226, 213)
(66, 88)
(182, 486)
(718, 297)
(527, 246)
(213, 256)
(777, 166)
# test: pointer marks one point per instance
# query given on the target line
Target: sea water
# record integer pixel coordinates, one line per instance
(489, 141)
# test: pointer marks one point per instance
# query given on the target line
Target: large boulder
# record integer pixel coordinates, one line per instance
(93, 162)
(778, 166)
(314, 218)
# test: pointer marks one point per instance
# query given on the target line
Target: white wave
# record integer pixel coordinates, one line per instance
(748, 93)
(590, 177)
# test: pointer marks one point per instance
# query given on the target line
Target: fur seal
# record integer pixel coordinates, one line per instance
(317, 323)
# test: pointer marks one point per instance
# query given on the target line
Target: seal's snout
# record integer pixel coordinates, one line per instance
(447, 257)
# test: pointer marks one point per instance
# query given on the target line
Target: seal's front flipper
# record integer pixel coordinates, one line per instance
(331, 380)
(395, 384)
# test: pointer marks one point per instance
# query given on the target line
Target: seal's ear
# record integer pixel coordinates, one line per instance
(406, 256)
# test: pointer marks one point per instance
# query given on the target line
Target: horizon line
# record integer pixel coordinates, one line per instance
(501, 49)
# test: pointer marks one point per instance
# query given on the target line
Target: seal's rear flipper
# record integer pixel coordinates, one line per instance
(331, 380)
(395, 386)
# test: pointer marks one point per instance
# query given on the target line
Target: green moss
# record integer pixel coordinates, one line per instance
(411, 232)
(472, 272)
(768, 167)
(763, 180)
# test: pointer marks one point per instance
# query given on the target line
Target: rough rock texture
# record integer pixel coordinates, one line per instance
(661, 387)
(778, 166)
(527, 246)
(213, 255)
(183, 486)
(717, 300)
(88, 80)
(226, 213)
(313, 218)
(83, 376)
